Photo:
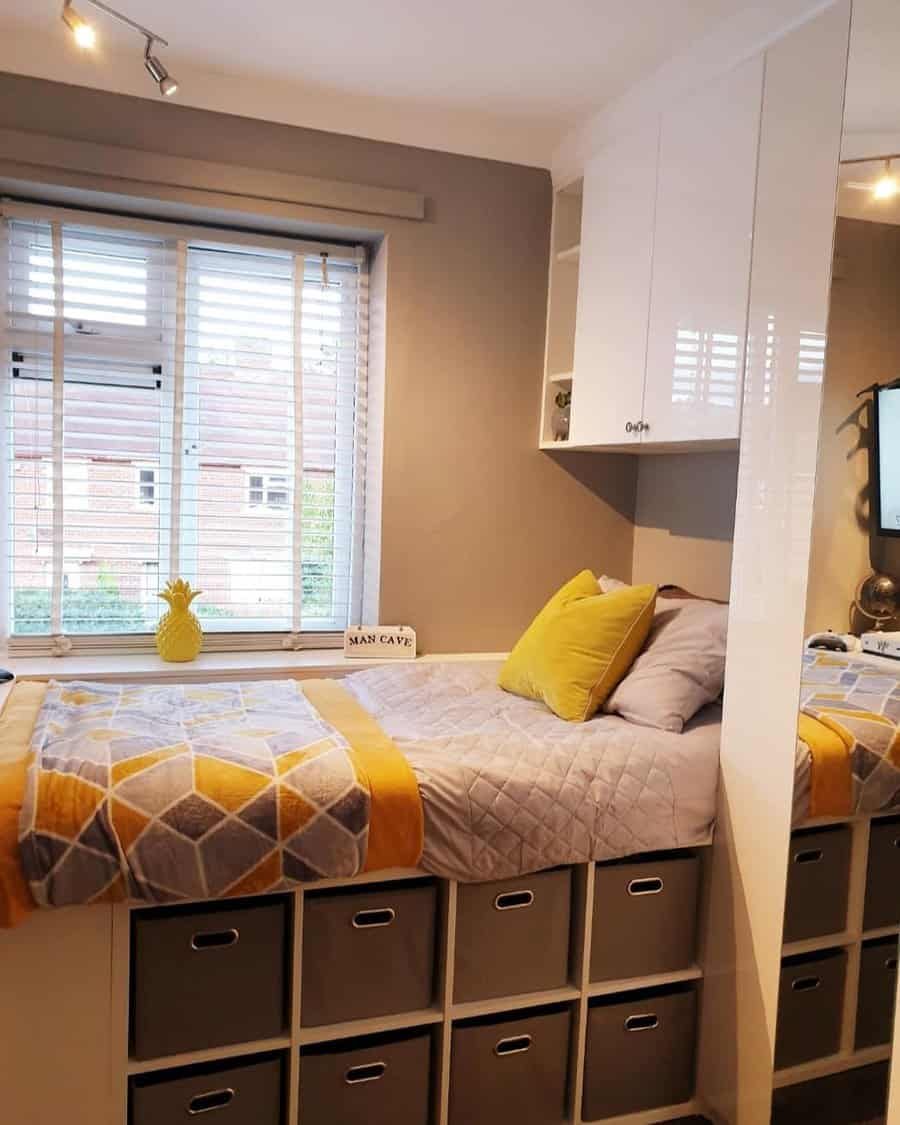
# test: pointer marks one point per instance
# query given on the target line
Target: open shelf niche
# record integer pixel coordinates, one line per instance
(562, 302)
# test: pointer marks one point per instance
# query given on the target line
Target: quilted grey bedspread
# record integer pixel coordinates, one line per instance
(509, 788)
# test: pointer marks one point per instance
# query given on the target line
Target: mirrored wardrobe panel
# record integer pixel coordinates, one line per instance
(838, 983)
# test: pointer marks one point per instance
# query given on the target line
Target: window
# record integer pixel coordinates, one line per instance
(147, 486)
(180, 406)
(266, 488)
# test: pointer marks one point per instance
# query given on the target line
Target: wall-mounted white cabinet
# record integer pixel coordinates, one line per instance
(614, 291)
(701, 260)
(663, 276)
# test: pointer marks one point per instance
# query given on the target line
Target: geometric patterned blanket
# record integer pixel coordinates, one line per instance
(859, 702)
(160, 793)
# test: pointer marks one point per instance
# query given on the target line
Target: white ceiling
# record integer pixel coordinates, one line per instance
(499, 78)
(873, 73)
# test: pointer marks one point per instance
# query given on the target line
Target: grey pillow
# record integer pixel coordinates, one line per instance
(681, 668)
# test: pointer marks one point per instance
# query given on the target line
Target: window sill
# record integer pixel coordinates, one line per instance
(148, 667)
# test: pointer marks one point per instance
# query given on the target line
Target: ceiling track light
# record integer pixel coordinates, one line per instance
(887, 186)
(82, 31)
(86, 37)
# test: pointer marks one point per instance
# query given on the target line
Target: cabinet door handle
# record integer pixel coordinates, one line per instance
(206, 1103)
(218, 939)
(513, 1045)
(513, 900)
(651, 885)
(365, 1072)
(629, 427)
(644, 427)
(369, 919)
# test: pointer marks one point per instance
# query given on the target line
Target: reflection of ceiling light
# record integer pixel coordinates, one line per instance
(85, 37)
(84, 34)
(888, 186)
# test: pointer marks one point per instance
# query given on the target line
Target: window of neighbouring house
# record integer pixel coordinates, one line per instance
(266, 488)
(181, 407)
(147, 486)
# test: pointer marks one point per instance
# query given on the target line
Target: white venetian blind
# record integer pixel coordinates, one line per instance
(176, 406)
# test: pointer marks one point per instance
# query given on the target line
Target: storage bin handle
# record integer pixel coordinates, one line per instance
(215, 939)
(371, 919)
(513, 900)
(648, 1021)
(652, 886)
(811, 855)
(806, 984)
(512, 1045)
(206, 1103)
(897, 841)
(891, 963)
(365, 1072)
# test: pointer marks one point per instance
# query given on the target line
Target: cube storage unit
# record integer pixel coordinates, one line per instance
(412, 1000)
(645, 916)
(640, 1051)
(381, 1080)
(883, 875)
(818, 883)
(237, 1092)
(368, 952)
(511, 1068)
(877, 993)
(513, 936)
(208, 977)
(810, 1005)
(836, 1005)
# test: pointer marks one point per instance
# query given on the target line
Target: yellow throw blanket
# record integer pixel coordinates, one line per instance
(165, 793)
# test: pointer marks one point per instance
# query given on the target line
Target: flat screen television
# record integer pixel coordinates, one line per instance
(887, 460)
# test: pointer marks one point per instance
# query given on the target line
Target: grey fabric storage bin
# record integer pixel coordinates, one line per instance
(513, 1068)
(368, 952)
(818, 883)
(810, 1007)
(883, 875)
(380, 1080)
(234, 1093)
(645, 916)
(640, 1051)
(877, 993)
(207, 977)
(512, 936)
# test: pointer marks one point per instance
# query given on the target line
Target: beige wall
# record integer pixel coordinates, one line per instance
(684, 521)
(863, 348)
(478, 526)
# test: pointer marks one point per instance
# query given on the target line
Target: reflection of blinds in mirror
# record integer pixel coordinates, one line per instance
(887, 485)
(707, 368)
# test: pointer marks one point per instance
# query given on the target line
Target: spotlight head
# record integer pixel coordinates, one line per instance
(84, 34)
(159, 74)
(888, 186)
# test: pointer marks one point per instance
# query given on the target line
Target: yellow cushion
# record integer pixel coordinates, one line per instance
(580, 646)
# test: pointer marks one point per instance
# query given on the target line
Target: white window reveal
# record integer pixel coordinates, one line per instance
(181, 406)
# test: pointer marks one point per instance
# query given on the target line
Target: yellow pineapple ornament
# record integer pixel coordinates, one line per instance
(179, 636)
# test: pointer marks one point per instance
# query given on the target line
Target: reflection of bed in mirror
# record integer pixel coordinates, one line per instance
(848, 745)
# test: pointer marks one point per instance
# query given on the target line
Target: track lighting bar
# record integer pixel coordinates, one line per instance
(86, 37)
